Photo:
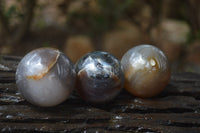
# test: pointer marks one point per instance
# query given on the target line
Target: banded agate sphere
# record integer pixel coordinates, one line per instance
(146, 69)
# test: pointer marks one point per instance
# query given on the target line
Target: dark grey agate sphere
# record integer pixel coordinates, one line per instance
(100, 77)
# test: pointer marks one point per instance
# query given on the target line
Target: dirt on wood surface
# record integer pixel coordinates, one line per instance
(175, 110)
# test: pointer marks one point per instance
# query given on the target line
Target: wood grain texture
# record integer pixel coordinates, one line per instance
(175, 110)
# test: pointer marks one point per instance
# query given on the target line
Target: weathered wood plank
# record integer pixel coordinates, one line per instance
(24, 113)
(130, 126)
(175, 104)
(175, 110)
(9, 63)
(7, 77)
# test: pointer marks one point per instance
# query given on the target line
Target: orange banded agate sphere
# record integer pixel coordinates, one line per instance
(146, 69)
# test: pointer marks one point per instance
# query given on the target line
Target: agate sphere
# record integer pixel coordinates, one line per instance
(45, 77)
(146, 69)
(100, 77)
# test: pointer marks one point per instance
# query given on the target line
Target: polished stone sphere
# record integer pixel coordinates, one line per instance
(45, 77)
(100, 77)
(146, 69)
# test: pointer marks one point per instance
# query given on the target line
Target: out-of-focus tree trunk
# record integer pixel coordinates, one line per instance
(13, 37)
(25, 24)
(165, 8)
(194, 15)
(3, 21)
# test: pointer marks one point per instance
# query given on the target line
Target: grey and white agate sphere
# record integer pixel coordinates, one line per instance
(100, 77)
(146, 69)
(45, 77)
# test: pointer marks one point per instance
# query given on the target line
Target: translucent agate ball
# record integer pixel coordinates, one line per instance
(45, 77)
(146, 69)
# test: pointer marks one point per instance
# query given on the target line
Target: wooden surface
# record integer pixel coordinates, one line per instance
(175, 110)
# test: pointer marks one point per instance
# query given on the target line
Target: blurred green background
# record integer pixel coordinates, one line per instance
(77, 27)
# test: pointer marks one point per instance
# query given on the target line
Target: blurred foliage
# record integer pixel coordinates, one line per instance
(101, 21)
(97, 22)
(105, 14)
(192, 37)
(13, 12)
(15, 20)
(93, 17)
